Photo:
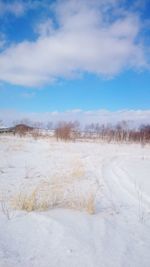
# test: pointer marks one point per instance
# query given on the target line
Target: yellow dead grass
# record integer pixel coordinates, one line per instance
(61, 192)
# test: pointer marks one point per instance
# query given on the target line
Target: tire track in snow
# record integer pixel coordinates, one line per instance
(119, 189)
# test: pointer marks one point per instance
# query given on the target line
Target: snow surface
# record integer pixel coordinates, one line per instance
(117, 235)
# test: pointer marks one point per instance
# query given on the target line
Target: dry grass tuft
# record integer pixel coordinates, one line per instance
(71, 190)
(78, 171)
(54, 195)
(25, 201)
(90, 205)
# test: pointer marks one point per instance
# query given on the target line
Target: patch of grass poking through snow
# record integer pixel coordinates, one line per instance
(25, 201)
(69, 191)
(54, 195)
(78, 171)
(90, 207)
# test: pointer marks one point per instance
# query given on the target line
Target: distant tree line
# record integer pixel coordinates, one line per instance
(109, 133)
(121, 132)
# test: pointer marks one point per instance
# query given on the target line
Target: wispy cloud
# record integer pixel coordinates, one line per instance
(16, 8)
(133, 117)
(20, 7)
(84, 38)
(2, 40)
(28, 95)
(45, 28)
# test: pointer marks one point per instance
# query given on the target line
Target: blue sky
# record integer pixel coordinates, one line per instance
(74, 55)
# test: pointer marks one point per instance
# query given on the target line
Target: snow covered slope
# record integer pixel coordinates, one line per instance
(63, 234)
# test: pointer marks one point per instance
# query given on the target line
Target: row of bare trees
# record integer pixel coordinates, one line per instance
(109, 133)
(121, 132)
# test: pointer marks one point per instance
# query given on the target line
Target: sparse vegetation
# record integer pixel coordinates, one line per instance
(22, 129)
(67, 131)
(60, 192)
(48, 196)
(120, 132)
(5, 209)
(72, 131)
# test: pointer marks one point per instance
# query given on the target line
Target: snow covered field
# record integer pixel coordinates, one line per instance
(74, 204)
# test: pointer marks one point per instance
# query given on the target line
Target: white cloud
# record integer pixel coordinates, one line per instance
(85, 40)
(45, 28)
(2, 40)
(133, 117)
(16, 8)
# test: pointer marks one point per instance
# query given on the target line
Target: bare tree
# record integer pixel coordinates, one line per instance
(67, 130)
